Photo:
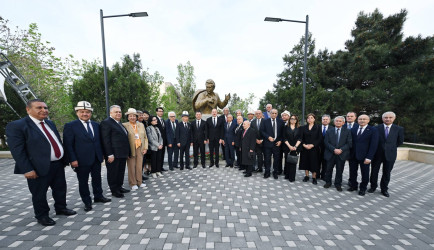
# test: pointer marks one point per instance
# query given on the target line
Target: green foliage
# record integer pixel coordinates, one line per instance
(379, 71)
(186, 87)
(129, 86)
(237, 102)
(46, 74)
(170, 100)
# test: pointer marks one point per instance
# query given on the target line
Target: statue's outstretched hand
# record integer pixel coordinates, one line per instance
(227, 97)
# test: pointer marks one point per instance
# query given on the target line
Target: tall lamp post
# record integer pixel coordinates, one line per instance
(274, 19)
(137, 14)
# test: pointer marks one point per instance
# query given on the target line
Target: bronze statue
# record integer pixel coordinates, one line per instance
(205, 100)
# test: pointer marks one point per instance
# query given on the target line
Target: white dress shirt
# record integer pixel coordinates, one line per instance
(52, 156)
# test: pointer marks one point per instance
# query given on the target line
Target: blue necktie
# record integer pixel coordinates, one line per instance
(337, 136)
(89, 131)
(324, 131)
(387, 131)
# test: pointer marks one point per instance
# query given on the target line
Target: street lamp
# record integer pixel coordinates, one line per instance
(274, 19)
(137, 14)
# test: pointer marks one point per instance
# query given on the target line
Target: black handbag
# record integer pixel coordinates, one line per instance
(292, 159)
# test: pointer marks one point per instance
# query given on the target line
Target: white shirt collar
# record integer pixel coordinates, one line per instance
(387, 125)
(36, 121)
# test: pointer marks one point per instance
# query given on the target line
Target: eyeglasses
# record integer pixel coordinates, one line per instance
(172, 116)
(293, 119)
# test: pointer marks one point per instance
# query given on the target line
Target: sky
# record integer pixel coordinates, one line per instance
(225, 40)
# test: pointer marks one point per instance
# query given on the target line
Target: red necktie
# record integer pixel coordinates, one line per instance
(52, 141)
(244, 132)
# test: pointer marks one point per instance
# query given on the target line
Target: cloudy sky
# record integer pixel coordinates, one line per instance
(226, 40)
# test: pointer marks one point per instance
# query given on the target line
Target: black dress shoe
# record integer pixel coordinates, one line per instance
(217, 166)
(203, 166)
(339, 189)
(102, 200)
(188, 167)
(314, 181)
(327, 185)
(351, 189)
(275, 176)
(247, 175)
(385, 193)
(123, 190)
(66, 212)
(171, 168)
(266, 176)
(210, 166)
(371, 190)
(286, 177)
(362, 193)
(46, 221)
(195, 166)
(226, 165)
(118, 195)
(259, 170)
(291, 180)
(87, 208)
(306, 178)
(163, 170)
(144, 178)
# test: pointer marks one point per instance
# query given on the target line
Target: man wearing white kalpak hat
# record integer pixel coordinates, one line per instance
(84, 152)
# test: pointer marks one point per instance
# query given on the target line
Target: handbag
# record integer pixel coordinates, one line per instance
(292, 159)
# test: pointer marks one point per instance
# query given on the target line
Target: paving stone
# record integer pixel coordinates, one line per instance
(220, 209)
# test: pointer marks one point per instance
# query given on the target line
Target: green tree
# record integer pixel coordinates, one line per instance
(237, 102)
(170, 99)
(186, 87)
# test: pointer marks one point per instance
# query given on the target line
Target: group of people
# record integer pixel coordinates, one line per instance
(263, 140)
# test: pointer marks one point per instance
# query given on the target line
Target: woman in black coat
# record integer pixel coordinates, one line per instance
(310, 138)
(291, 136)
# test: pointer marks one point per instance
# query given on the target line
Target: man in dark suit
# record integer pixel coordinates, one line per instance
(37, 149)
(199, 133)
(229, 140)
(259, 149)
(184, 140)
(215, 135)
(267, 113)
(237, 142)
(224, 119)
(272, 133)
(391, 137)
(365, 143)
(325, 120)
(162, 126)
(172, 148)
(337, 145)
(350, 124)
(83, 147)
(116, 149)
(248, 144)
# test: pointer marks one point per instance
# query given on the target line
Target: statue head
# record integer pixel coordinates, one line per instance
(210, 86)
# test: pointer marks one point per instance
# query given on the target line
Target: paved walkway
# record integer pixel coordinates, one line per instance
(219, 208)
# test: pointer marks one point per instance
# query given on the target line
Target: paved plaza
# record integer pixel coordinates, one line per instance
(218, 208)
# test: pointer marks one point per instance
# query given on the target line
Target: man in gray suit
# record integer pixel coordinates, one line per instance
(337, 143)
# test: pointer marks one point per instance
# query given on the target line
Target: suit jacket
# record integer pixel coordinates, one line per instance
(238, 134)
(248, 142)
(267, 131)
(388, 147)
(199, 134)
(170, 134)
(132, 137)
(257, 129)
(365, 145)
(80, 146)
(29, 146)
(183, 134)
(229, 133)
(215, 133)
(162, 130)
(345, 143)
(155, 139)
(355, 125)
(265, 115)
(114, 139)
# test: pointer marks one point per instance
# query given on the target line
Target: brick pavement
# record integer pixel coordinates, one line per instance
(219, 208)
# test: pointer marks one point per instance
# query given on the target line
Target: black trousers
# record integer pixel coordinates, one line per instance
(196, 147)
(184, 152)
(334, 161)
(290, 168)
(387, 169)
(156, 162)
(214, 147)
(322, 163)
(364, 168)
(249, 168)
(115, 174)
(172, 156)
(238, 154)
(275, 152)
(55, 179)
(163, 151)
(259, 156)
(83, 179)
